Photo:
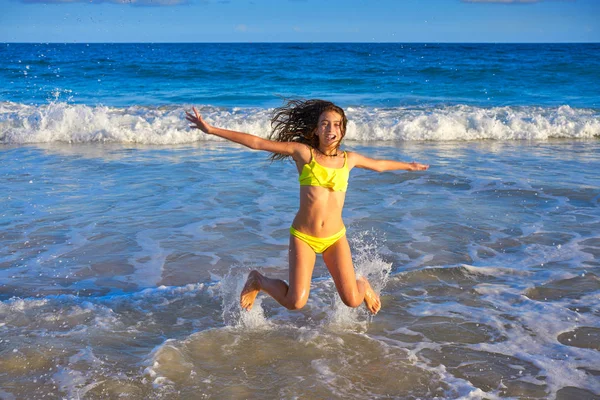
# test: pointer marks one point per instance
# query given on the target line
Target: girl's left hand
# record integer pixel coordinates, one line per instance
(415, 166)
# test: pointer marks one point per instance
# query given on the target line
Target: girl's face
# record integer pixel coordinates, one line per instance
(329, 129)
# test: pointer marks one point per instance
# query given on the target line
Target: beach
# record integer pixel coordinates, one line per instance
(126, 237)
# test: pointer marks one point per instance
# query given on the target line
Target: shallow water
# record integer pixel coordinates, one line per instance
(121, 267)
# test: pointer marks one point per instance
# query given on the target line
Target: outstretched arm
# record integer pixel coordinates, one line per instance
(360, 161)
(251, 141)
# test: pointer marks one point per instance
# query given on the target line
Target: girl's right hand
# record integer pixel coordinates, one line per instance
(198, 122)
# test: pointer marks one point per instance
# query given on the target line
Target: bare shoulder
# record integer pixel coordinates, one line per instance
(355, 159)
(302, 153)
(350, 159)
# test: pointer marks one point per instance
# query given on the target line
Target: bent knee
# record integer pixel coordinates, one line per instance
(351, 301)
(296, 303)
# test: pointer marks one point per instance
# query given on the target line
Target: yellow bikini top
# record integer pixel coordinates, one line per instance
(314, 174)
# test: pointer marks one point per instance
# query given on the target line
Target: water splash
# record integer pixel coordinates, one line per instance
(368, 263)
(230, 288)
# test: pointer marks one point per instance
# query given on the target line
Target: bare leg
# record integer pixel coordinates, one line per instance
(293, 296)
(353, 292)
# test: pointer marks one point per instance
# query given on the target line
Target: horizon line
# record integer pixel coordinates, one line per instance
(292, 42)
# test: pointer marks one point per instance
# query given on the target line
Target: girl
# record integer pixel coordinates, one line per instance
(310, 133)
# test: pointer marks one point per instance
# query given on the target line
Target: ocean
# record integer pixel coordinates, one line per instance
(126, 237)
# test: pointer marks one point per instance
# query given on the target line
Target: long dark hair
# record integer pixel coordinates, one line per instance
(297, 121)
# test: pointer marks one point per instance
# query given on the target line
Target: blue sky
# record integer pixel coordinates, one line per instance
(87, 21)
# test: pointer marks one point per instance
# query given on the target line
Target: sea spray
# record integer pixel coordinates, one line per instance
(233, 315)
(369, 264)
(367, 261)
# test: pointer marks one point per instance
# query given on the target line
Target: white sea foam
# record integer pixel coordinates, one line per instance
(163, 125)
(535, 341)
(494, 271)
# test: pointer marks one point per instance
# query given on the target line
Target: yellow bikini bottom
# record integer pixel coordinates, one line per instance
(318, 245)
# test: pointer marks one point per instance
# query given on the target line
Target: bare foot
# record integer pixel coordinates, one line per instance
(250, 290)
(372, 300)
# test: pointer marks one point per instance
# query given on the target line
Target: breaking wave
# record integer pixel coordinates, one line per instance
(165, 125)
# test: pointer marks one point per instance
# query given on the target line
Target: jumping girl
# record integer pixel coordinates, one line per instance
(310, 133)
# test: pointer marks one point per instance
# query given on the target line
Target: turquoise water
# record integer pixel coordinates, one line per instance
(125, 238)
